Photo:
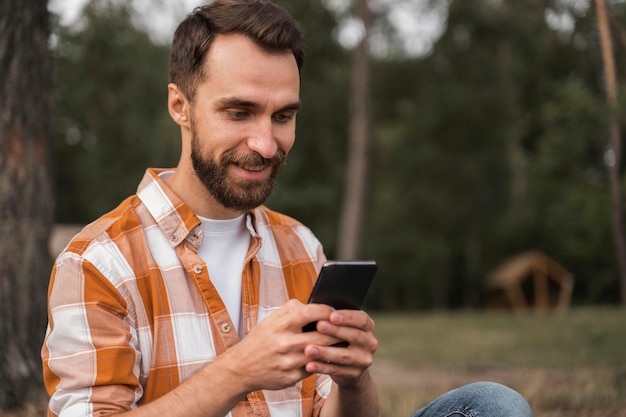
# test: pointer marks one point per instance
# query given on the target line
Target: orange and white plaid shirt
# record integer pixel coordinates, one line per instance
(132, 311)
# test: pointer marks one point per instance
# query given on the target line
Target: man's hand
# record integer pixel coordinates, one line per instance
(345, 365)
(272, 356)
(277, 354)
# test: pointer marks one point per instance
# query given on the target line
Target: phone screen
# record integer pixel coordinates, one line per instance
(343, 285)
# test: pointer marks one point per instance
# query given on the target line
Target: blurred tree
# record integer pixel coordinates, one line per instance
(353, 209)
(440, 142)
(614, 143)
(462, 137)
(26, 200)
(111, 119)
(567, 207)
(310, 186)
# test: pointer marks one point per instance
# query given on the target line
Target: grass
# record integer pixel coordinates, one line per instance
(565, 365)
(570, 365)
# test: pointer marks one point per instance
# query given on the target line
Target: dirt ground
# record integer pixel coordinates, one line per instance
(597, 392)
(551, 393)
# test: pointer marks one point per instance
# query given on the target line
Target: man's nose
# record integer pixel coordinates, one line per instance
(262, 140)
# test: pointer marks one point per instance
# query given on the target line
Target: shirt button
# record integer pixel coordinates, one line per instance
(226, 327)
(197, 269)
(173, 238)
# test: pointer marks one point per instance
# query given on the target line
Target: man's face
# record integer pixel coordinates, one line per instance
(231, 191)
(243, 120)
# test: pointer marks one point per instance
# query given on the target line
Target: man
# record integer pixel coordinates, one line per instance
(187, 299)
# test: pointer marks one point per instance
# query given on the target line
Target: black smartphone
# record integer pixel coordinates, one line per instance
(342, 285)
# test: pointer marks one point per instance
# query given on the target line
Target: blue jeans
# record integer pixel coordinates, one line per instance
(480, 399)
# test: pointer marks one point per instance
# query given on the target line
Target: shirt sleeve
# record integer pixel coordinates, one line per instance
(90, 355)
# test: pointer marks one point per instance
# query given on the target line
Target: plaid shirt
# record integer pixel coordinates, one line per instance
(133, 313)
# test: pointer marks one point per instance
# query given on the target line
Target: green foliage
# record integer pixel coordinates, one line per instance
(111, 119)
(442, 213)
(568, 189)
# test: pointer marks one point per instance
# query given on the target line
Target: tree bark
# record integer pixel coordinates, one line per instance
(354, 196)
(614, 148)
(26, 200)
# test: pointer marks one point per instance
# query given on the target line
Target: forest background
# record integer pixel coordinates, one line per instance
(500, 136)
(490, 142)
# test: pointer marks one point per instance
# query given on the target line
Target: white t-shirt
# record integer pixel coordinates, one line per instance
(223, 249)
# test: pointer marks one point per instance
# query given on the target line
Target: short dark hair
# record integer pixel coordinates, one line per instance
(266, 23)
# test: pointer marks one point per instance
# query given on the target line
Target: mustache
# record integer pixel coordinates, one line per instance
(254, 160)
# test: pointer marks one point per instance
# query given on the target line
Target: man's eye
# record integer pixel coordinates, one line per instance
(284, 117)
(235, 114)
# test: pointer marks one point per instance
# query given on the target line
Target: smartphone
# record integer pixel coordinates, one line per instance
(342, 285)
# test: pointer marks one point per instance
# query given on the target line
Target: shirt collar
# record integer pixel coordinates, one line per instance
(173, 216)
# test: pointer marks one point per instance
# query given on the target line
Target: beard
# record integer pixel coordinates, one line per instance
(234, 193)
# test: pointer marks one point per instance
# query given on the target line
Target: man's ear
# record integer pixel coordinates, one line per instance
(178, 106)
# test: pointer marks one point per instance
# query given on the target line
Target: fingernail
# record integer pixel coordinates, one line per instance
(336, 318)
(323, 326)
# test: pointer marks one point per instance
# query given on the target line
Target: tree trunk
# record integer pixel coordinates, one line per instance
(26, 201)
(614, 148)
(354, 195)
(515, 151)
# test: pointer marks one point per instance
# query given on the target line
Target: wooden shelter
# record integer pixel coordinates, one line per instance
(529, 281)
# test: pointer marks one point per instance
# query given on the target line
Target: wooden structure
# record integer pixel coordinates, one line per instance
(529, 281)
